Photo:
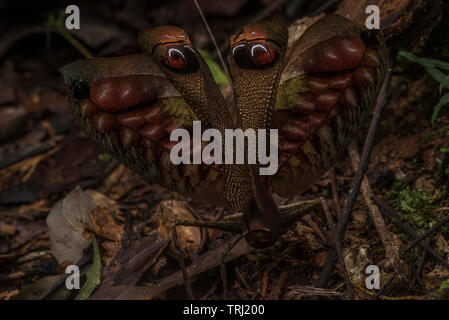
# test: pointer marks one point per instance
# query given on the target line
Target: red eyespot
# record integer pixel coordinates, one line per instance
(261, 54)
(242, 57)
(180, 58)
(176, 58)
(256, 55)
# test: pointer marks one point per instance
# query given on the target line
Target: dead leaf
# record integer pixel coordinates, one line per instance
(40, 289)
(103, 201)
(66, 224)
(104, 224)
(191, 239)
(356, 260)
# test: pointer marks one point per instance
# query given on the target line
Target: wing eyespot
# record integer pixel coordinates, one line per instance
(257, 55)
(80, 89)
(180, 58)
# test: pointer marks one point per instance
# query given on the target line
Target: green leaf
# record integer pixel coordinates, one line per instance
(436, 74)
(423, 61)
(443, 101)
(444, 83)
(93, 276)
(218, 74)
(445, 284)
(105, 157)
(432, 134)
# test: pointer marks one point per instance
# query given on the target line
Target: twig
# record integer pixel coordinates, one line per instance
(384, 287)
(265, 280)
(337, 244)
(211, 290)
(258, 17)
(426, 234)
(312, 291)
(211, 35)
(323, 7)
(333, 182)
(203, 263)
(389, 298)
(181, 262)
(356, 182)
(391, 242)
(243, 281)
(278, 286)
(422, 260)
(363, 164)
(267, 11)
(69, 38)
(223, 255)
(407, 227)
(27, 153)
(256, 294)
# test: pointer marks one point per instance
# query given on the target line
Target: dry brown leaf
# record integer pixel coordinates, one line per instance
(191, 239)
(104, 224)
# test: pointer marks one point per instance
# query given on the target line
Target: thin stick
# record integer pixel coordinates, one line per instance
(267, 11)
(181, 262)
(224, 278)
(203, 263)
(223, 64)
(69, 38)
(390, 241)
(407, 227)
(337, 244)
(426, 234)
(379, 293)
(356, 182)
(422, 260)
(390, 298)
(258, 17)
(364, 159)
(333, 182)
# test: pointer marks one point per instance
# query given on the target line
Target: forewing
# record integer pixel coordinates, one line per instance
(130, 107)
(329, 83)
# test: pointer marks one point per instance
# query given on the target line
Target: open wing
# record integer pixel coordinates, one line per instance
(329, 83)
(130, 105)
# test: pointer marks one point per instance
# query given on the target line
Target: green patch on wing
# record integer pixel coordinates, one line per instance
(179, 110)
(290, 92)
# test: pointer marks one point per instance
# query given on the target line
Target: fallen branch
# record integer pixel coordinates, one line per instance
(204, 263)
(312, 291)
(338, 248)
(392, 214)
(426, 234)
(391, 242)
(356, 182)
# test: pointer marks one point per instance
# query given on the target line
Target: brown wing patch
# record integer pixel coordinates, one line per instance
(327, 89)
(132, 117)
(336, 72)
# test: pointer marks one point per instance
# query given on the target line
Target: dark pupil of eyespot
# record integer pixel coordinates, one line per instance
(261, 54)
(181, 59)
(80, 89)
(256, 56)
(176, 58)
